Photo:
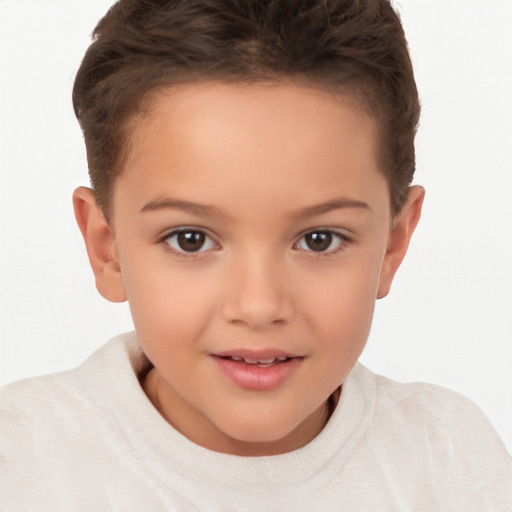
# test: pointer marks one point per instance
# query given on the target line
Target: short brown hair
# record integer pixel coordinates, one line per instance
(357, 46)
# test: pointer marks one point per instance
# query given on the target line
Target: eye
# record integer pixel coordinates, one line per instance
(189, 241)
(323, 240)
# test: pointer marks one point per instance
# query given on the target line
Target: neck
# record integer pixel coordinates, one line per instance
(201, 431)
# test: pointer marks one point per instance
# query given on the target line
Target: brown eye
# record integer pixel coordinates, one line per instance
(321, 241)
(189, 241)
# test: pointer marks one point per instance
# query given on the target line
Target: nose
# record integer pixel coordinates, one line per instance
(258, 294)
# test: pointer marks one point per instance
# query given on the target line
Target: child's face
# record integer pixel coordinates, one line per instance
(251, 222)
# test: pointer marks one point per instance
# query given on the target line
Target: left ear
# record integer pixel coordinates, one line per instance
(399, 237)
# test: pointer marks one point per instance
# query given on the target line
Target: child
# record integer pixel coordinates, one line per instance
(251, 164)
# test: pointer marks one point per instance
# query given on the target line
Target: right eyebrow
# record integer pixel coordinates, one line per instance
(197, 209)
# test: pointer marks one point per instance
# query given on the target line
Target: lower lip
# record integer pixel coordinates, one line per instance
(256, 378)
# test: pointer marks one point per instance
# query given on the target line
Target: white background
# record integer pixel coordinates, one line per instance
(448, 319)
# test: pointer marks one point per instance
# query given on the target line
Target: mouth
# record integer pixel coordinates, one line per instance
(254, 371)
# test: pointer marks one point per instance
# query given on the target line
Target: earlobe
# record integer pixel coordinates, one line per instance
(400, 235)
(101, 245)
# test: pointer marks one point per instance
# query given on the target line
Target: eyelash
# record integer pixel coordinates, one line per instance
(343, 242)
(186, 230)
(342, 239)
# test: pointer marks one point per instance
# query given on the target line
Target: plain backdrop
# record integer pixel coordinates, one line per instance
(448, 319)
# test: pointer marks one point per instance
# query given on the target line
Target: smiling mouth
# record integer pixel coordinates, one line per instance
(257, 372)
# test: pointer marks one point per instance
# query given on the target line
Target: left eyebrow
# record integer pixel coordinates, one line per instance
(334, 204)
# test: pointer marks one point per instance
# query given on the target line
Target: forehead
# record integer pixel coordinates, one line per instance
(257, 106)
(250, 138)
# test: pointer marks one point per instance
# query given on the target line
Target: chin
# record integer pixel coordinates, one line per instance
(276, 435)
(262, 436)
(258, 432)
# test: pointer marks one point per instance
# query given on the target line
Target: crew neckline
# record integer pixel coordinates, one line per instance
(159, 446)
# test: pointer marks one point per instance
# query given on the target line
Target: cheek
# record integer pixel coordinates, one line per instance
(167, 300)
(170, 316)
(344, 318)
(342, 307)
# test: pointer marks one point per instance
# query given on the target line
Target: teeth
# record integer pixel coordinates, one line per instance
(251, 361)
(268, 361)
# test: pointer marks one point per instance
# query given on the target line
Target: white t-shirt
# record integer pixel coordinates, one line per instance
(89, 439)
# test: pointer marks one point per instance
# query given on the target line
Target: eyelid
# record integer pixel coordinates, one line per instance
(340, 234)
(184, 229)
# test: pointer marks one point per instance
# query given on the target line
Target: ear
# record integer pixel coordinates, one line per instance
(399, 237)
(101, 245)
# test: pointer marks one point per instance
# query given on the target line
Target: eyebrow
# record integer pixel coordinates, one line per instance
(168, 203)
(203, 210)
(334, 204)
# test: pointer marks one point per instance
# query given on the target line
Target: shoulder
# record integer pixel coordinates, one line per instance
(47, 410)
(418, 403)
(425, 406)
(441, 434)
(33, 402)
(40, 393)
(56, 430)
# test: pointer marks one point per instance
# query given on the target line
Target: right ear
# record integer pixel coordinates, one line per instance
(101, 245)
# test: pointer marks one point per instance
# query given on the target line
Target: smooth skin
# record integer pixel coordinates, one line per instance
(248, 217)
